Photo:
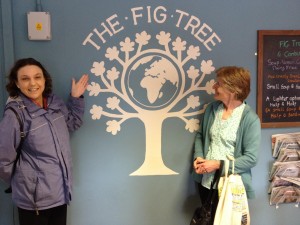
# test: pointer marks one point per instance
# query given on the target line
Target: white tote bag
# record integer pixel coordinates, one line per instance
(233, 204)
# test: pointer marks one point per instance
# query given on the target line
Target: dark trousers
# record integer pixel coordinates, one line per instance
(52, 216)
(204, 193)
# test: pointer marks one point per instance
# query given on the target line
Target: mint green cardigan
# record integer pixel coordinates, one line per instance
(247, 143)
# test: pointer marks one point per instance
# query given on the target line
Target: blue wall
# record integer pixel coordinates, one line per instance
(104, 191)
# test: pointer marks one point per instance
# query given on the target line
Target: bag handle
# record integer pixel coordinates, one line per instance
(226, 165)
(212, 195)
(217, 175)
(232, 159)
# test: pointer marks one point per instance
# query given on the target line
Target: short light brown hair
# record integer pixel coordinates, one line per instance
(236, 80)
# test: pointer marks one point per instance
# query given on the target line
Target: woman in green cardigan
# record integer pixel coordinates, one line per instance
(229, 127)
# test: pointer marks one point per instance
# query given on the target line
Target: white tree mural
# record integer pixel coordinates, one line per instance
(160, 75)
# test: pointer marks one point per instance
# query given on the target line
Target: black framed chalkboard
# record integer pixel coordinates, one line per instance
(278, 81)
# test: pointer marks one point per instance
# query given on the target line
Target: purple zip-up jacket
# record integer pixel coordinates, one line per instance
(43, 176)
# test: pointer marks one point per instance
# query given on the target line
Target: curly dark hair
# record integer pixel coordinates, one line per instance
(11, 86)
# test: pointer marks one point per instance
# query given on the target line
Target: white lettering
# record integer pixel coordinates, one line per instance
(111, 29)
(180, 17)
(89, 40)
(204, 34)
(112, 25)
(158, 14)
(201, 31)
(135, 16)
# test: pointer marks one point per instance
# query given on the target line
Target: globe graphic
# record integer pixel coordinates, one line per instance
(153, 81)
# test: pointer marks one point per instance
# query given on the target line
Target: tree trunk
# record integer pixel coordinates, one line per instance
(153, 163)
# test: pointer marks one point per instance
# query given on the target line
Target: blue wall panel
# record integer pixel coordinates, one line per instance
(105, 192)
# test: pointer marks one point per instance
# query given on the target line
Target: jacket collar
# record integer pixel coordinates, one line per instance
(34, 110)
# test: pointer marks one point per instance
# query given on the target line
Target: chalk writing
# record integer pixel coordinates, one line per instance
(279, 78)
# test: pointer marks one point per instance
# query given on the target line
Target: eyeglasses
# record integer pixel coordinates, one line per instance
(217, 83)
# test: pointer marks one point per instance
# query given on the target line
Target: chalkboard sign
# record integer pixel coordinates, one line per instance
(278, 94)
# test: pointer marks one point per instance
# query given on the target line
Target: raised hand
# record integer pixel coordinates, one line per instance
(78, 88)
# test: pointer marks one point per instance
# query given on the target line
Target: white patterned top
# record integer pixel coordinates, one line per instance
(223, 138)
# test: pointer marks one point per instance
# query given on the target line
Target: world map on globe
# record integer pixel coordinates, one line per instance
(153, 81)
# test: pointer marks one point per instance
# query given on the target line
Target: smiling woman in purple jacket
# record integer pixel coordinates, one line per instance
(42, 182)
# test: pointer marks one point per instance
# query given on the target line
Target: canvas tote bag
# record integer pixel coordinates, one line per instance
(232, 207)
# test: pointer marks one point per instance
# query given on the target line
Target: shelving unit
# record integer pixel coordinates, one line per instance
(285, 172)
